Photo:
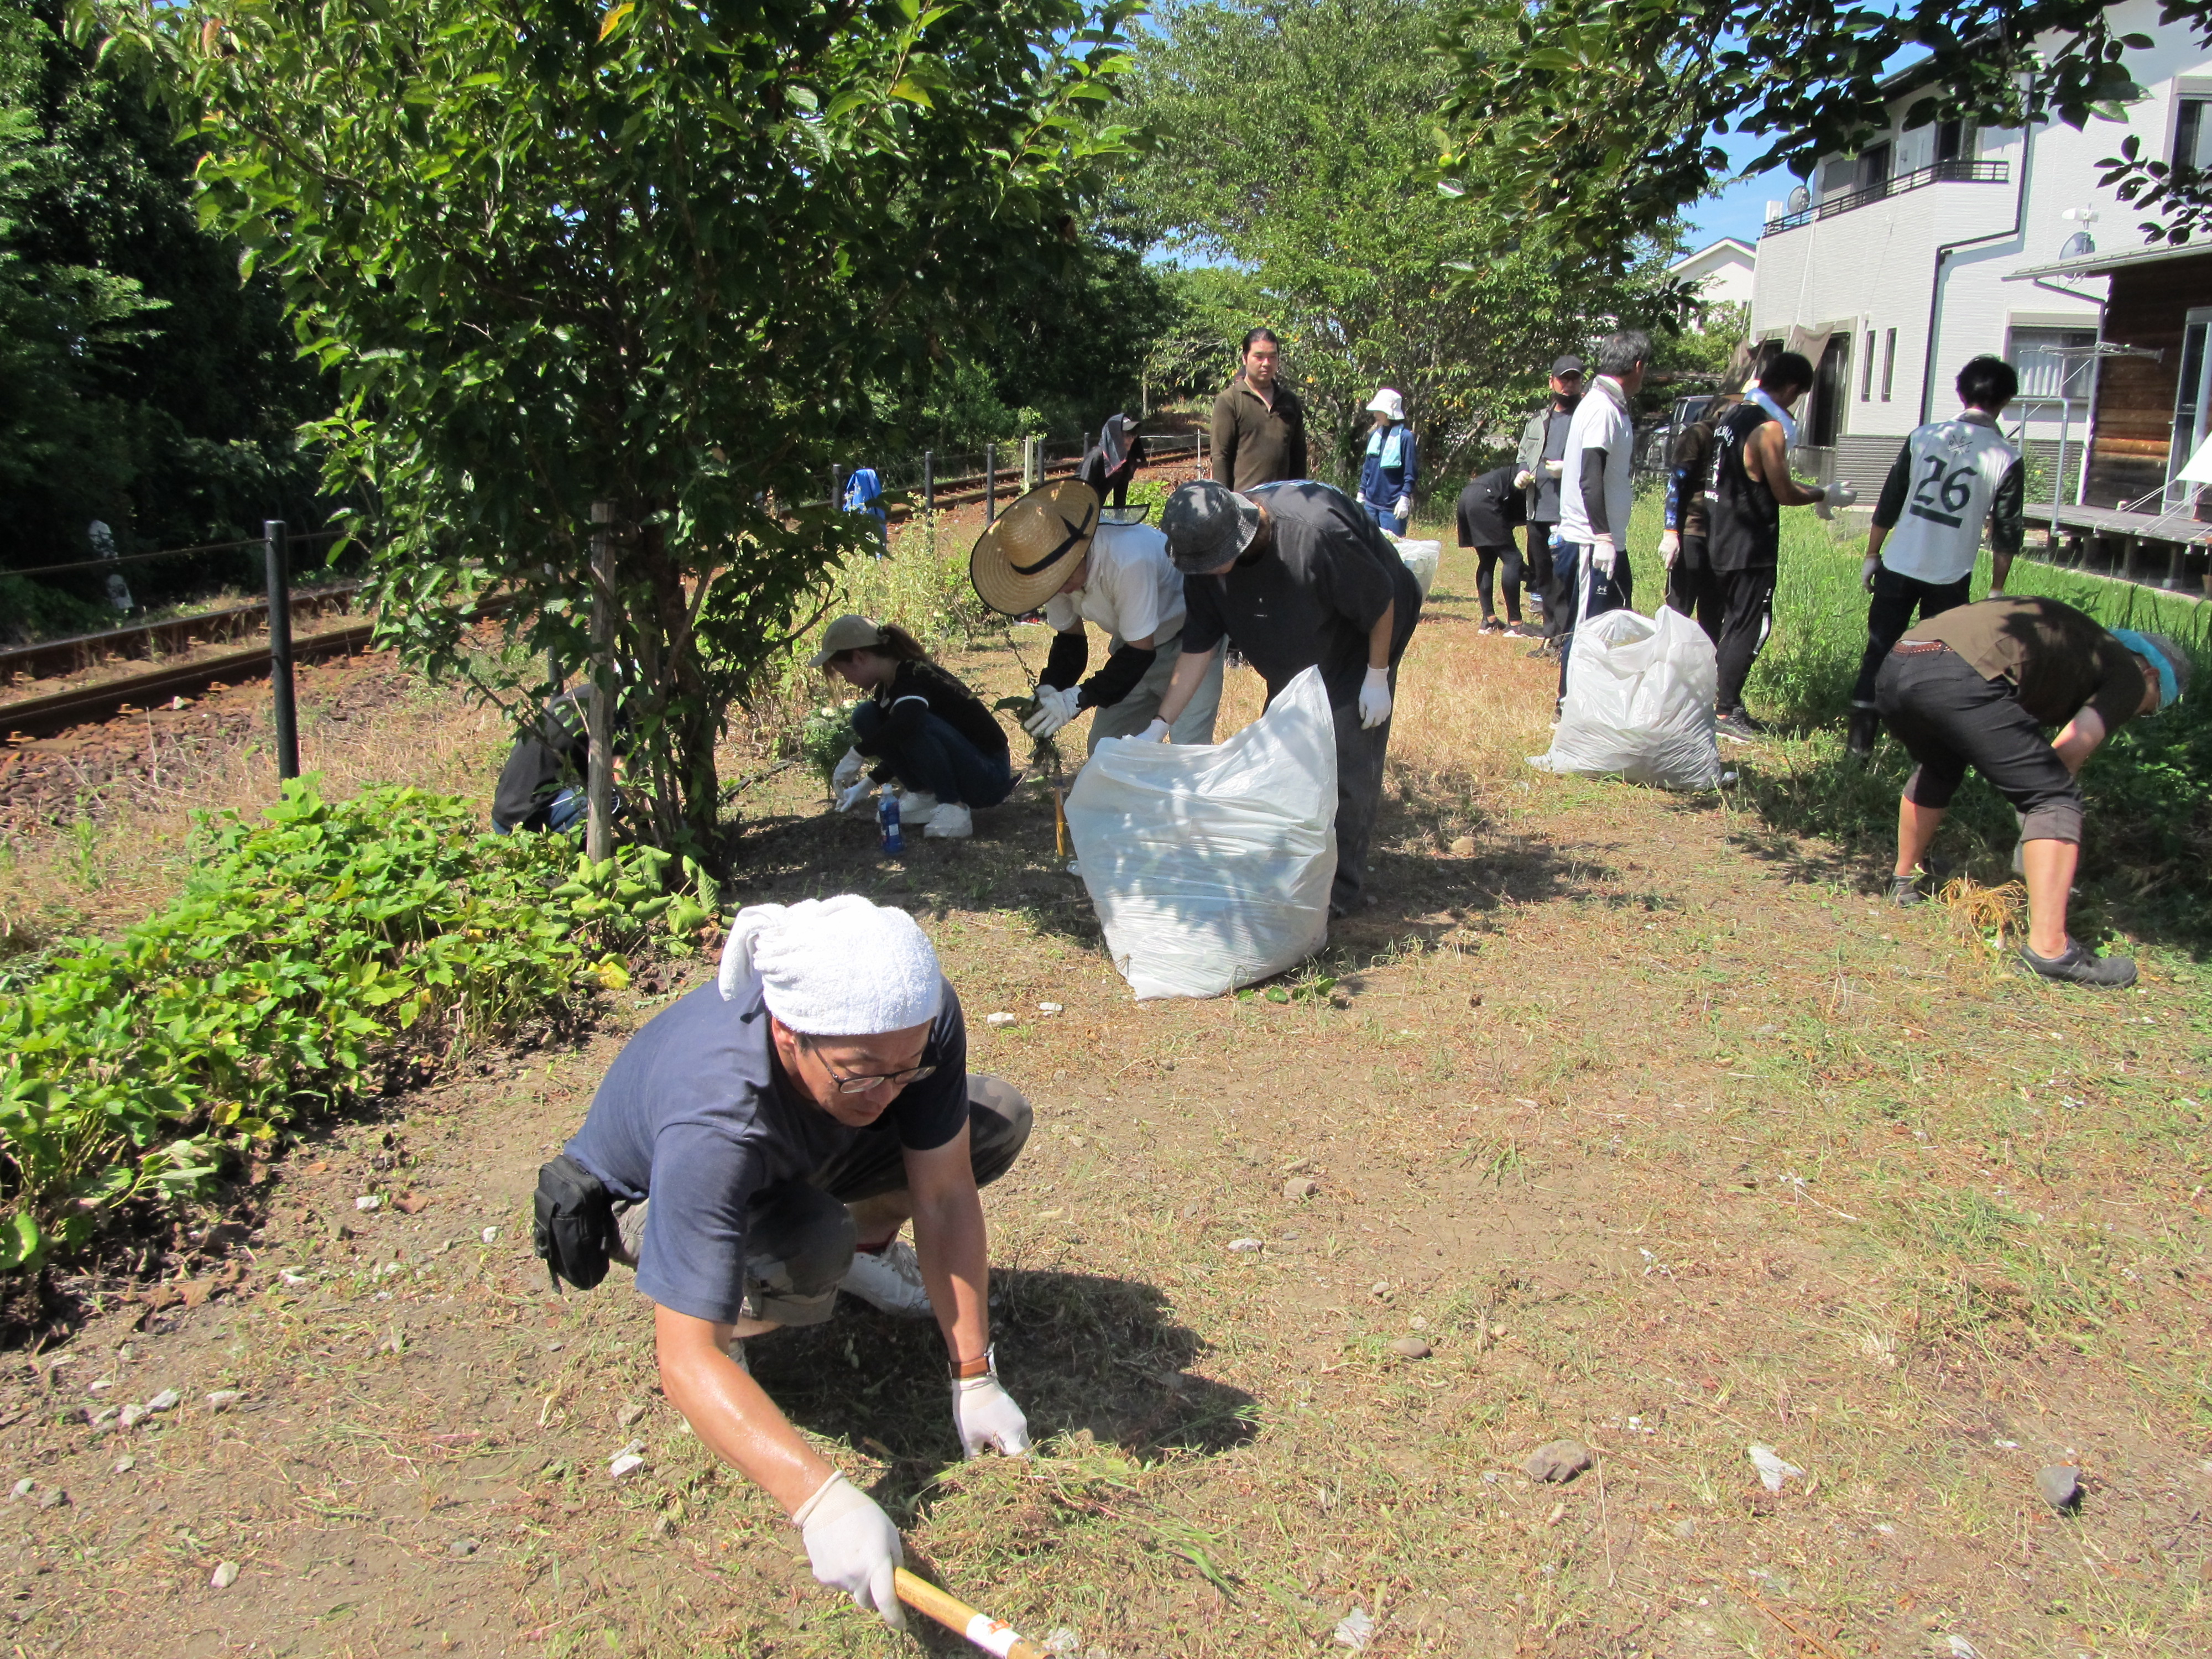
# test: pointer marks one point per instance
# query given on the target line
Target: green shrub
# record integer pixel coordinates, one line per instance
(308, 952)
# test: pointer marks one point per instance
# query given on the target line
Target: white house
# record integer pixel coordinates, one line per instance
(1720, 272)
(1889, 272)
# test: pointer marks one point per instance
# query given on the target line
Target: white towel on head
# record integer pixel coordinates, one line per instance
(834, 966)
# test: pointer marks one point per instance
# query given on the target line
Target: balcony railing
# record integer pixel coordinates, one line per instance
(1941, 173)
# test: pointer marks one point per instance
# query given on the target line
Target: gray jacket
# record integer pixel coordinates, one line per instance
(1545, 438)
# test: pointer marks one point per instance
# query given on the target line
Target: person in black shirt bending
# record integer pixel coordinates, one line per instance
(923, 728)
(1489, 507)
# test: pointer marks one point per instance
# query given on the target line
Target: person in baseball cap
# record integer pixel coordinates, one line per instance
(1537, 465)
(1296, 576)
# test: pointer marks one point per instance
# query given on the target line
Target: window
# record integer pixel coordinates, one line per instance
(1950, 140)
(1866, 371)
(2192, 133)
(1888, 365)
(1873, 166)
(2043, 373)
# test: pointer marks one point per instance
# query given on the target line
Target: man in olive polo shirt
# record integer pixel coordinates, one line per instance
(1259, 425)
(1975, 686)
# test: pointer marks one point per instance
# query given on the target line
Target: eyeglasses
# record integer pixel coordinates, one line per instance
(860, 1085)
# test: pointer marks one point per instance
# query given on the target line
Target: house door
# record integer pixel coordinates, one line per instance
(2192, 400)
(1824, 420)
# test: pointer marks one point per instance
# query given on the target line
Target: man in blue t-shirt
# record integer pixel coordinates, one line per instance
(785, 1125)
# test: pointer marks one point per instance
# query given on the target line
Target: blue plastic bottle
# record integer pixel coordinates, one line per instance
(887, 815)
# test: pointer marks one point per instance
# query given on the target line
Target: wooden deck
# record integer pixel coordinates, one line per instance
(2168, 550)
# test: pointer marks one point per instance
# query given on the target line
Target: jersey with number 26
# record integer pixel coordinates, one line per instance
(1939, 494)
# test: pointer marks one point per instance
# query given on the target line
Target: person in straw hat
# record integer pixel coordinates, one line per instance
(1049, 552)
(922, 727)
(758, 1147)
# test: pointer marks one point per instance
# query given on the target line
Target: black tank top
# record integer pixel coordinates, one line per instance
(1744, 529)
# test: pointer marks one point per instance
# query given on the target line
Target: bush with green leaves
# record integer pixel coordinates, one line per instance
(308, 953)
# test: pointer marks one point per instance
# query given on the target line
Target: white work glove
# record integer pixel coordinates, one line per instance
(1867, 568)
(1403, 510)
(852, 794)
(1374, 698)
(1056, 708)
(1523, 479)
(852, 1547)
(1156, 733)
(1843, 492)
(1670, 547)
(1554, 469)
(1602, 556)
(986, 1416)
(1359, 498)
(847, 770)
(1822, 507)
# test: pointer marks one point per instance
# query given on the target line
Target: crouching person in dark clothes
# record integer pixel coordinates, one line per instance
(541, 788)
(1975, 686)
(785, 1124)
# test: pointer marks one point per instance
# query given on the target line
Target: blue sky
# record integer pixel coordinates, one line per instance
(1740, 209)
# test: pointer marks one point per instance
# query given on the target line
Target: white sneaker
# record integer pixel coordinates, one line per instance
(951, 821)
(919, 807)
(889, 1280)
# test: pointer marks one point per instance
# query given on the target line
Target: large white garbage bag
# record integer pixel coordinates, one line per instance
(1210, 865)
(1421, 558)
(1639, 701)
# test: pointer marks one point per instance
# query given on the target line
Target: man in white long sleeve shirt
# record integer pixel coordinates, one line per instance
(1596, 493)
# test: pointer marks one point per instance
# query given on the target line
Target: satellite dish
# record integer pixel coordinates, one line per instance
(2080, 244)
(1800, 199)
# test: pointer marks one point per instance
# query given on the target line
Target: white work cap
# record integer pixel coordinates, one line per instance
(834, 966)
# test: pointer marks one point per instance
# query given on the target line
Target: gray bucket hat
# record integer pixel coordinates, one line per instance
(1207, 524)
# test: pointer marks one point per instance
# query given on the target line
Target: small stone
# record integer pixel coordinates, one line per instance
(1340, 998)
(1411, 1347)
(1686, 1529)
(625, 1465)
(2060, 1485)
(1557, 1461)
(1244, 1245)
(463, 1547)
(53, 1498)
(105, 1421)
(998, 1019)
(1463, 847)
(367, 1202)
(1355, 1630)
(168, 1401)
(224, 1576)
(1474, 1000)
(630, 1413)
(130, 1415)
(23, 1488)
(662, 1526)
(491, 1235)
(125, 1464)
(1055, 1008)
(1380, 1288)
(223, 1399)
(1299, 1187)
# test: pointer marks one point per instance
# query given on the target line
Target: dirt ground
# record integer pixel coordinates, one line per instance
(1647, 1119)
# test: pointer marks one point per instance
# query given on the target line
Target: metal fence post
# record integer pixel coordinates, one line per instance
(277, 551)
(598, 726)
(928, 482)
(835, 484)
(990, 483)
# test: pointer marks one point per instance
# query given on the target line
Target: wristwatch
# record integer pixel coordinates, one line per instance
(963, 1371)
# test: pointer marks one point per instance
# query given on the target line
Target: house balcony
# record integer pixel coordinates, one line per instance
(1941, 173)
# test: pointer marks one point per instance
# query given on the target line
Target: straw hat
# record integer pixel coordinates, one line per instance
(1027, 556)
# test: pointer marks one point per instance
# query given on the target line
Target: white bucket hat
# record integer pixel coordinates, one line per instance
(1387, 402)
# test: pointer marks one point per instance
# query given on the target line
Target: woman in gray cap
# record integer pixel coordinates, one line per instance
(1295, 576)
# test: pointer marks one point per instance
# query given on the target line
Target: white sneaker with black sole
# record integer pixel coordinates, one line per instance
(952, 821)
(889, 1280)
(917, 808)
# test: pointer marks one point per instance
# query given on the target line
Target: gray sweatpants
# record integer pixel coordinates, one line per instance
(1130, 716)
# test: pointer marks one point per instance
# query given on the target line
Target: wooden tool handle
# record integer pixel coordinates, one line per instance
(950, 1610)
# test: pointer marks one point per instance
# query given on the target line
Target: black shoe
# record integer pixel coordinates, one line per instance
(1738, 726)
(1492, 625)
(1864, 733)
(2078, 965)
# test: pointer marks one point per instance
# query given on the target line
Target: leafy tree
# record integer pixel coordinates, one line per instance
(1600, 115)
(1292, 134)
(141, 383)
(669, 258)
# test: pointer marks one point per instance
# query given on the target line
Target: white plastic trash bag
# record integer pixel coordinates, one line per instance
(1639, 701)
(1210, 864)
(1421, 559)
